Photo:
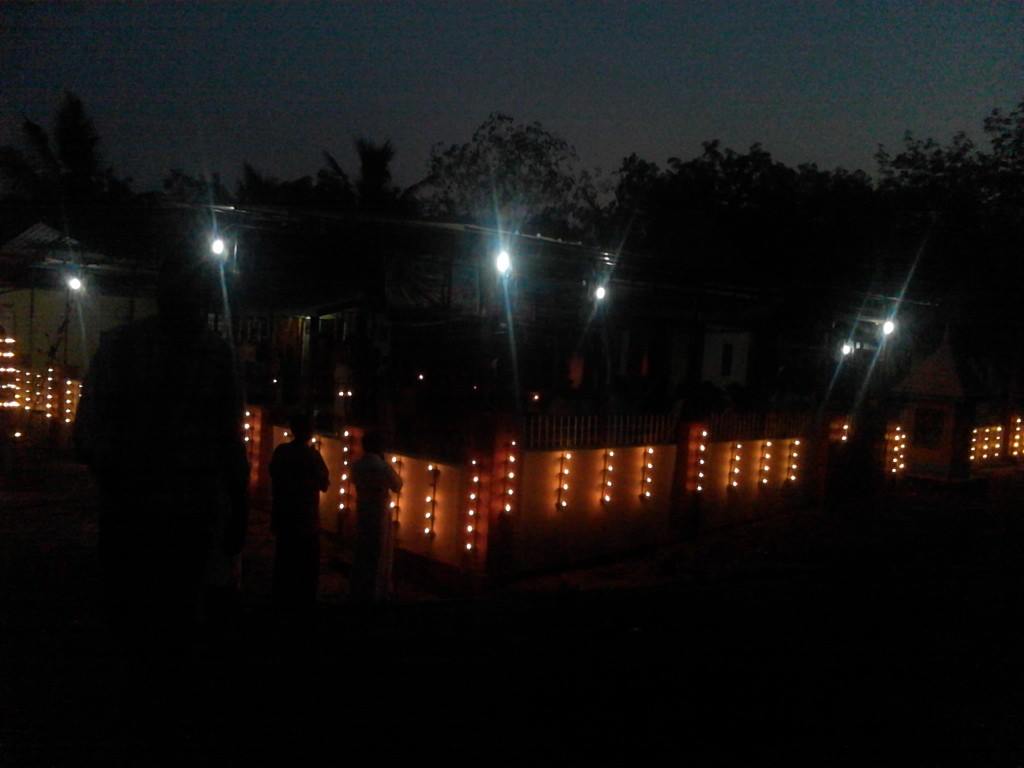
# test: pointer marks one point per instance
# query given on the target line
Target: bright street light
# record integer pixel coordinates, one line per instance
(74, 284)
(888, 327)
(847, 349)
(217, 246)
(503, 262)
(600, 293)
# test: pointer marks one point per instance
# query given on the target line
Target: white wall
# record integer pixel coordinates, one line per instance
(714, 343)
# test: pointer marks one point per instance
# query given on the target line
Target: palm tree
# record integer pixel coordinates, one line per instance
(62, 169)
(373, 185)
(58, 177)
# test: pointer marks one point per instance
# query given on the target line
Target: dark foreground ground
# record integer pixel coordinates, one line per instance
(870, 635)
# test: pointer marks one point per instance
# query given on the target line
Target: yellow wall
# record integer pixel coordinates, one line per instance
(449, 536)
(92, 314)
(448, 540)
(722, 503)
(546, 535)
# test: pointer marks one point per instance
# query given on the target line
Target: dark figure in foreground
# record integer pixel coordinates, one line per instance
(159, 424)
(299, 475)
(374, 479)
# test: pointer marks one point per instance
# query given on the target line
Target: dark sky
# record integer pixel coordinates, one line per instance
(208, 86)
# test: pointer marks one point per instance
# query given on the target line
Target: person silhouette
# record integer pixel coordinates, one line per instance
(374, 479)
(298, 475)
(159, 425)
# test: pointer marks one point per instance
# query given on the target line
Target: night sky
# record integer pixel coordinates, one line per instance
(206, 87)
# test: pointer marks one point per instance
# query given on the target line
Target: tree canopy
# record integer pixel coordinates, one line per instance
(511, 175)
(722, 215)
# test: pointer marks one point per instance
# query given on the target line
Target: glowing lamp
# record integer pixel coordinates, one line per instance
(888, 327)
(74, 283)
(503, 262)
(600, 293)
(217, 246)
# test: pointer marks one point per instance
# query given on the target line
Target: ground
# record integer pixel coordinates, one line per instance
(883, 633)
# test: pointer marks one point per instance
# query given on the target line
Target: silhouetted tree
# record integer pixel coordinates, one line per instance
(65, 168)
(373, 185)
(513, 175)
(183, 188)
(59, 177)
(331, 190)
(333, 186)
(969, 199)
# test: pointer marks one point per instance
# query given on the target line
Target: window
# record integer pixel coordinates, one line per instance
(727, 360)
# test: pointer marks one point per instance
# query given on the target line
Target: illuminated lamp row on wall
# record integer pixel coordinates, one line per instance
(564, 458)
(702, 449)
(430, 513)
(10, 395)
(508, 489)
(395, 505)
(986, 443)
(897, 448)
(1017, 445)
(765, 464)
(33, 392)
(647, 473)
(472, 521)
(735, 457)
(345, 479)
(765, 460)
(606, 476)
(564, 472)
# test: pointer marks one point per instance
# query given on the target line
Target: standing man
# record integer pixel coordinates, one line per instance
(159, 425)
(299, 475)
(374, 479)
